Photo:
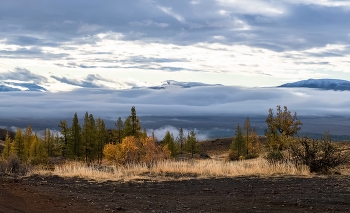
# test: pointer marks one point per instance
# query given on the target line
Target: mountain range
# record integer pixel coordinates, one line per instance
(323, 84)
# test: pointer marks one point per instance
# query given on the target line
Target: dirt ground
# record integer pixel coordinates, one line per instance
(243, 194)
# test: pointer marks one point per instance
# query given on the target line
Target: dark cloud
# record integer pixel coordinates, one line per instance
(22, 74)
(47, 23)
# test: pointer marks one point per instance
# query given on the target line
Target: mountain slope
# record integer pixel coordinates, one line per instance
(324, 84)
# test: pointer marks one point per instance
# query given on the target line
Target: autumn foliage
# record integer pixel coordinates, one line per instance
(135, 150)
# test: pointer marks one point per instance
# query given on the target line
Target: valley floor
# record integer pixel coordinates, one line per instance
(242, 194)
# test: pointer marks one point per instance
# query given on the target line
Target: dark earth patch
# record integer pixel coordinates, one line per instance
(243, 194)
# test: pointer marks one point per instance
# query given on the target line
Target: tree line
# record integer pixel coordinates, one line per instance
(91, 141)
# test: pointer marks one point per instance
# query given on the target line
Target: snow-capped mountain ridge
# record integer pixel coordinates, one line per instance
(177, 84)
(324, 84)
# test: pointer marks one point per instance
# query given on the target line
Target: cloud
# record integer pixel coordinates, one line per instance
(88, 28)
(170, 12)
(22, 74)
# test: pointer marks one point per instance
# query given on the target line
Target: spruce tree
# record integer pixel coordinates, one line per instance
(74, 142)
(192, 143)
(101, 138)
(88, 137)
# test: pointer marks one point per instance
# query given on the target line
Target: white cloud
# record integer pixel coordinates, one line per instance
(260, 7)
(170, 12)
(328, 3)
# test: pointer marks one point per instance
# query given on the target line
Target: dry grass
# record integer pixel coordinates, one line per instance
(166, 170)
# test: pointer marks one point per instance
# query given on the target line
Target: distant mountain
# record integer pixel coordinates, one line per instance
(176, 84)
(324, 84)
(20, 86)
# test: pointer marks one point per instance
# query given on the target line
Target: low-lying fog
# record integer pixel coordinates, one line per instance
(213, 111)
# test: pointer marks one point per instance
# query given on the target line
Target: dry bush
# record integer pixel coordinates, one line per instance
(169, 169)
(319, 155)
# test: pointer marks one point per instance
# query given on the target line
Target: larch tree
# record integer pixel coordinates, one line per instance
(38, 152)
(119, 131)
(27, 139)
(18, 145)
(132, 126)
(192, 143)
(238, 146)
(281, 127)
(7, 148)
(64, 130)
(181, 140)
(168, 141)
(247, 129)
(48, 140)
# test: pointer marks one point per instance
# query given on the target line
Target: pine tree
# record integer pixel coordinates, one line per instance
(7, 149)
(168, 140)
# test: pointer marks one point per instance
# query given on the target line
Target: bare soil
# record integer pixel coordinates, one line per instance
(243, 194)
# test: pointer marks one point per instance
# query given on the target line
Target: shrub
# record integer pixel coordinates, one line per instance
(319, 155)
(275, 156)
(13, 164)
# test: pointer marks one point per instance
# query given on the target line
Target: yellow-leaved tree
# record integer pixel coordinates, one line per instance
(135, 150)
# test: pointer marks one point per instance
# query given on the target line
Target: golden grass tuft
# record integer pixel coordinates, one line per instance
(167, 170)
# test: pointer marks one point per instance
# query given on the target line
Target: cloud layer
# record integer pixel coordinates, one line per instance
(197, 101)
(266, 41)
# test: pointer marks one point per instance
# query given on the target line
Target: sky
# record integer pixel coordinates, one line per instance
(120, 44)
